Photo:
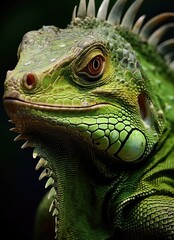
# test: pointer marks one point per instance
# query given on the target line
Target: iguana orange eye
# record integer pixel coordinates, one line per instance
(95, 66)
(94, 69)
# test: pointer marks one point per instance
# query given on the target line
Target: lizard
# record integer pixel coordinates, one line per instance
(95, 101)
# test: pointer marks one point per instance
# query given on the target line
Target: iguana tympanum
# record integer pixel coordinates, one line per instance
(96, 101)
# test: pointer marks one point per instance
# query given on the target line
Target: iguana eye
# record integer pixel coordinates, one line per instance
(94, 69)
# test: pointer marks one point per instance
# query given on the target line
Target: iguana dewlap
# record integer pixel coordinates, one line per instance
(96, 101)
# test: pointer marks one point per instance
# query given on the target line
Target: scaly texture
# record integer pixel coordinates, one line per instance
(96, 101)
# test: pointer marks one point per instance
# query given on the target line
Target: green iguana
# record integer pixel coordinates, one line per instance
(96, 101)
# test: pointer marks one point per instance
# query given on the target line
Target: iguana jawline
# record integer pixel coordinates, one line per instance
(18, 102)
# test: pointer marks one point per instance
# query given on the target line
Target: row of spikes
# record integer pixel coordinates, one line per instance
(42, 163)
(149, 32)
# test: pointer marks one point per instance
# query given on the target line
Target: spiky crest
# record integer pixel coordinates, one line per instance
(149, 32)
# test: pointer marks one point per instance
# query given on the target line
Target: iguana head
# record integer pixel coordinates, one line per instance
(89, 97)
(87, 81)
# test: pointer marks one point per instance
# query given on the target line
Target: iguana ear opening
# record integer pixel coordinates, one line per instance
(144, 107)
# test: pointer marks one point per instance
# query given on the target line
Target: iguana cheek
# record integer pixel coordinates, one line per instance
(134, 147)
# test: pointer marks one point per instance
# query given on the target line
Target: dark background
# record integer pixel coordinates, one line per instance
(20, 188)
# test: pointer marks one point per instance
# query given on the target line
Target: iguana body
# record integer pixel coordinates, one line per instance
(96, 100)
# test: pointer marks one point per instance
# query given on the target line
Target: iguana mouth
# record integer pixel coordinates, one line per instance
(12, 104)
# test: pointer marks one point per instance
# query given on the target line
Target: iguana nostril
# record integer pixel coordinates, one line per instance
(29, 80)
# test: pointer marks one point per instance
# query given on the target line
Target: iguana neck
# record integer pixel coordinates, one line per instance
(75, 184)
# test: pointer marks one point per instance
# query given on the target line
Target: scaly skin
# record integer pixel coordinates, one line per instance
(99, 114)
